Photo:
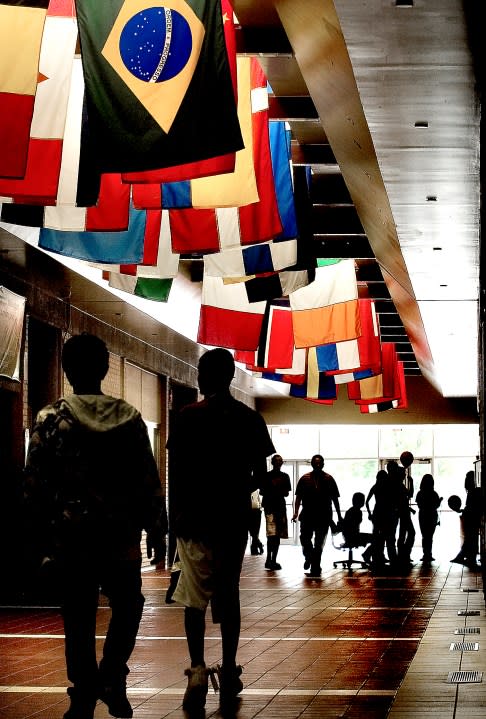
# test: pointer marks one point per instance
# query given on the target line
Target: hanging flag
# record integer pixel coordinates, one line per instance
(327, 309)
(275, 285)
(12, 309)
(239, 187)
(381, 387)
(39, 181)
(226, 317)
(319, 387)
(355, 355)
(213, 165)
(159, 262)
(401, 403)
(254, 259)
(149, 288)
(276, 342)
(110, 247)
(158, 83)
(280, 148)
(231, 189)
(21, 28)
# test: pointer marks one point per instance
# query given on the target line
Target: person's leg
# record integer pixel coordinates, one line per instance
(320, 535)
(272, 549)
(306, 533)
(225, 606)
(194, 590)
(122, 585)
(197, 675)
(80, 597)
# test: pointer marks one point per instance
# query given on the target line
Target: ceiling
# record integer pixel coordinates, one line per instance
(382, 100)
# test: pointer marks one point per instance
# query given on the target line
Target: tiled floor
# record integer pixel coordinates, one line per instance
(348, 645)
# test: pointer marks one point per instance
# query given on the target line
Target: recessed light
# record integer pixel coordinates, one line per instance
(421, 123)
(404, 3)
(436, 248)
(431, 198)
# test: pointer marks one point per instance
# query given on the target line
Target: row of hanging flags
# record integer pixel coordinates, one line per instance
(155, 142)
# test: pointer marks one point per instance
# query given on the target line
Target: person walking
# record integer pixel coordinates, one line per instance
(231, 443)
(428, 503)
(274, 489)
(91, 485)
(316, 492)
(471, 521)
(385, 494)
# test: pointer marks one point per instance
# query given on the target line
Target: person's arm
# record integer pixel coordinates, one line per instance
(296, 508)
(338, 508)
(368, 500)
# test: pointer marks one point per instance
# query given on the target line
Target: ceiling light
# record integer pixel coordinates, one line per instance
(404, 3)
(421, 123)
(431, 198)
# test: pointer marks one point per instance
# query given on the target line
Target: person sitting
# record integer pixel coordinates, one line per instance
(350, 527)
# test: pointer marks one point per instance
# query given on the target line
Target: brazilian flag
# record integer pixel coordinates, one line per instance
(158, 84)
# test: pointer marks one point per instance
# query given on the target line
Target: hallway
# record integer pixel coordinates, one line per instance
(347, 645)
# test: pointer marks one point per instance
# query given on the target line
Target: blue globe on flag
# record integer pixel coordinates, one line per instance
(155, 44)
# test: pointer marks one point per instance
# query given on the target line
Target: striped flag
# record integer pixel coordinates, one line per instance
(21, 28)
(39, 181)
(381, 387)
(111, 247)
(269, 256)
(231, 189)
(327, 309)
(149, 288)
(226, 317)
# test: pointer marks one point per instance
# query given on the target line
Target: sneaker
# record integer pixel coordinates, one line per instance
(197, 688)
(230, 684)
(269, 564)
(82, 706)
(276, 565)
(115, 698)
(307, 564)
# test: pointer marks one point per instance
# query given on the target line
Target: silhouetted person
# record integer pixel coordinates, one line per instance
(406, 529)
(316, 491)
(91, 486)
(276, 486)
(351, 527)
(256, 547)
(428, 503)
(384, 517)
(218, 449)
(471, 521)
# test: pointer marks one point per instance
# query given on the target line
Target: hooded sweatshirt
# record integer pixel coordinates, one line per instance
(91, 480)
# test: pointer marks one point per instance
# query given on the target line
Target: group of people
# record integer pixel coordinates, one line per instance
(92, 487)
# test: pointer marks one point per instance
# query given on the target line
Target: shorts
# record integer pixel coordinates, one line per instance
(277, 525)
(209, 574)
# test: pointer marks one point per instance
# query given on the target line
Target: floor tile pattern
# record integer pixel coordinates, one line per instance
(351, 644)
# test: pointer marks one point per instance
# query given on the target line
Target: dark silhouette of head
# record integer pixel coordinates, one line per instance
(277, 461)
(470, 481)
(317, 461)
(427, 482)
(85, 360)
(216, 369)
(381, 476)
(358, 500)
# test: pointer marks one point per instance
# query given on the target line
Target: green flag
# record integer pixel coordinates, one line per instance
(159, 91)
